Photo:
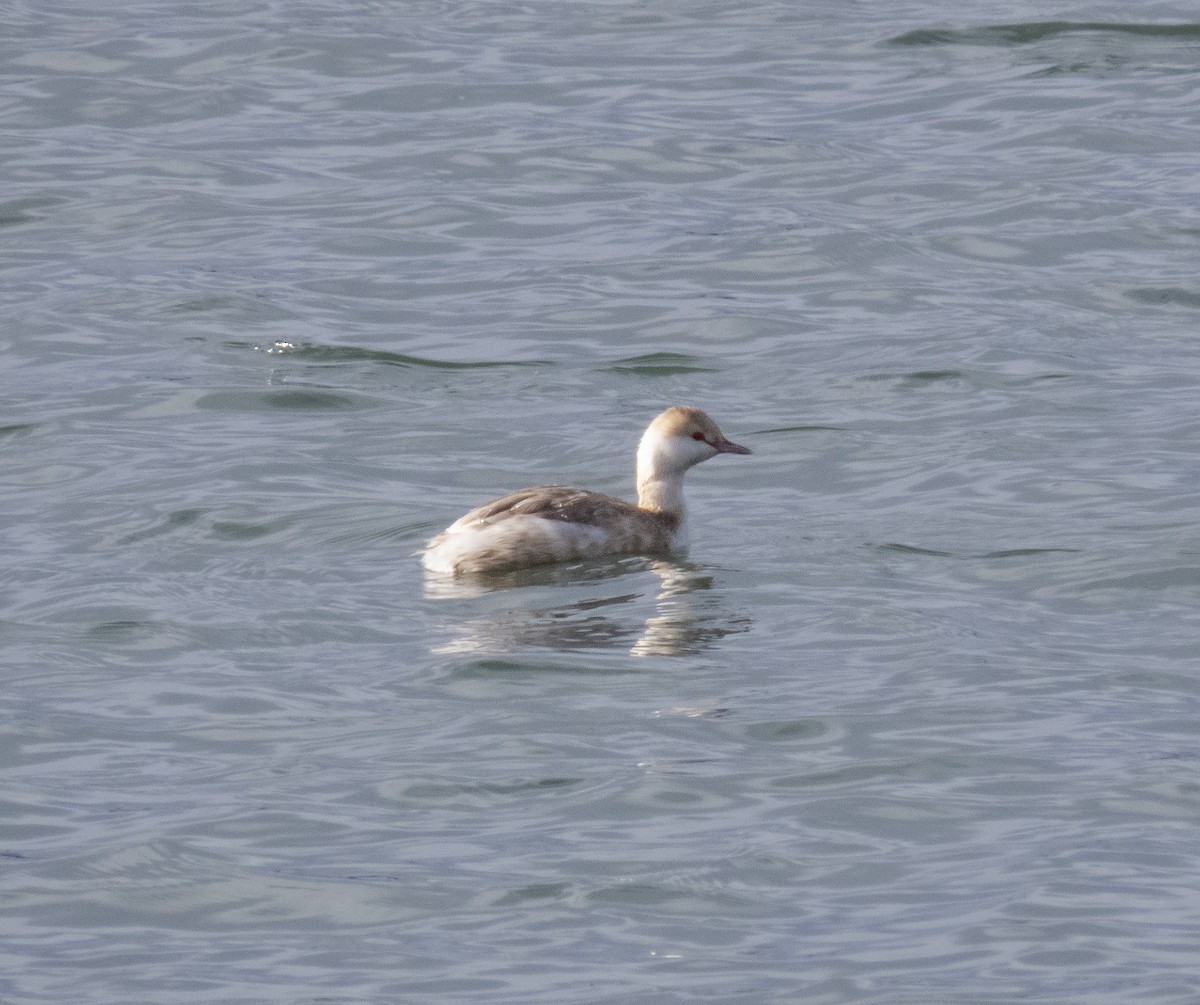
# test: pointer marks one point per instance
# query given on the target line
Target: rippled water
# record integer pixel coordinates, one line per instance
(288, 287)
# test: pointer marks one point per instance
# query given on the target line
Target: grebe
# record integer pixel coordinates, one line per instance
(553, 523)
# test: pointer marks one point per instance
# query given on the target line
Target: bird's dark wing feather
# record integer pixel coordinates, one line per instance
(551, 502)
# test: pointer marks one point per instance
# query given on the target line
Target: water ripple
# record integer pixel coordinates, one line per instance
(289, 287)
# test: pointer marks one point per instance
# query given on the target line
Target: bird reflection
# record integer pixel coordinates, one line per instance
(688, 615)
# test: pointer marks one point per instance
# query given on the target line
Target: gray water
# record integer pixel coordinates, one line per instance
(288, 287)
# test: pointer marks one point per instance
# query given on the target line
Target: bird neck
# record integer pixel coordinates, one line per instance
(662, 493)
(660, 477)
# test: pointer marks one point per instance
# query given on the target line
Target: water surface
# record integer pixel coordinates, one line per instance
(288, 288)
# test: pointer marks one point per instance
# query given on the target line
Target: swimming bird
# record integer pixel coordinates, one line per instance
(553, 523)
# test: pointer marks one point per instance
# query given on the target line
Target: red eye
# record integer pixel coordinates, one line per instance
(697, 436)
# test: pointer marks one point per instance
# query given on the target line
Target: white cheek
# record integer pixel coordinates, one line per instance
(683, 453)
(696, 451)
